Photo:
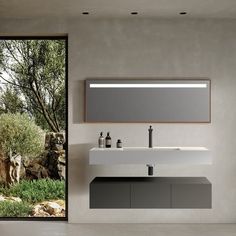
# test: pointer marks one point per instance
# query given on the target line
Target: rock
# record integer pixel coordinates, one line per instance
(61, 203)
(49, 208)
(53, 208)
(57, 164)
(36, 171)
(11, 199)
(38, 211)
(14, 199)
(54, 141)
(50, 164)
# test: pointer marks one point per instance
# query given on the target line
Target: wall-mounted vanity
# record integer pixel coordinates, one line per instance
(150, 192)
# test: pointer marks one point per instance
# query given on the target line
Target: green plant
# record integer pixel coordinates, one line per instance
(20, 134)
(36, 190)
(36, 69)
(15, 209)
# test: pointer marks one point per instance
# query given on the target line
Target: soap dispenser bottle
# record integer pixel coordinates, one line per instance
(108, 140)
(101, 141)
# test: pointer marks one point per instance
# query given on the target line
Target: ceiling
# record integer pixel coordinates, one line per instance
(118, 8)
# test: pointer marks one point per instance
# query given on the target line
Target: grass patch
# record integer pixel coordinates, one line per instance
(36, 190)
(15, 209)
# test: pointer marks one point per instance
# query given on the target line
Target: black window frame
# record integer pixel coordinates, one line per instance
(45, 37)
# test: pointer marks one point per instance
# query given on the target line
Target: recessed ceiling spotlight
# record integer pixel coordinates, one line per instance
(183, 13)
(134, 13)
(85, 13)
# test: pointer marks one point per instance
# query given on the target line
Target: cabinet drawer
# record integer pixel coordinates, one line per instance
(191, 195)
(150, 195)
(110, 195)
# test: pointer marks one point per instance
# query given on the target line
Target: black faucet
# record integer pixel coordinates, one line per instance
(150, 167)
(150, 136)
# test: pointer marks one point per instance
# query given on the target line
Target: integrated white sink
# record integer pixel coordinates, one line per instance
(155, 155)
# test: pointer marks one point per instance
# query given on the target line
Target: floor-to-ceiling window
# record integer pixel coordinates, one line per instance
(33, 127)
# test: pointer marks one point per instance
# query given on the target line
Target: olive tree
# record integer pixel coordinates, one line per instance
(35, 69)
(19, 136)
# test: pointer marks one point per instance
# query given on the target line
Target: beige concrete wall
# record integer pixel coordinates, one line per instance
(149, 48)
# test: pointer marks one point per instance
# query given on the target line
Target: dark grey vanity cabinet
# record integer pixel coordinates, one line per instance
(150, 192)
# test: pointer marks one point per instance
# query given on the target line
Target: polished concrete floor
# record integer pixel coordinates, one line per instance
(62, 229)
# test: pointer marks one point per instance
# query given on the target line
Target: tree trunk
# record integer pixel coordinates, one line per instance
(14, 168)
(10, 168)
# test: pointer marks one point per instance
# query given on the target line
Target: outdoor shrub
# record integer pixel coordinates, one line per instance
(14, 209)
(20, 134)
(36, 190)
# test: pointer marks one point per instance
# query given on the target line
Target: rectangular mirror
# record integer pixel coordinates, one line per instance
(147, 100)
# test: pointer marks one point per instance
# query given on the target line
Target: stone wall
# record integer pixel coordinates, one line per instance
(51, 163)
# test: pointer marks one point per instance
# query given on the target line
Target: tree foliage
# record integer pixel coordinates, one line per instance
(11, 102)
(20, 134)
(35, 70)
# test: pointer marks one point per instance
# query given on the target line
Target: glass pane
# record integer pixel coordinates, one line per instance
(33, 127)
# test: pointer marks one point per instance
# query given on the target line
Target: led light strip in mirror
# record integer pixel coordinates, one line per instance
(201, 85)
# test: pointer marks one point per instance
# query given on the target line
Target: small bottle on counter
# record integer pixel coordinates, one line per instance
(108, 140)
(119, 143)
(101, 141)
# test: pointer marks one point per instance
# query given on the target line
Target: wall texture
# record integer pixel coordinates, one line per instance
(149, 48)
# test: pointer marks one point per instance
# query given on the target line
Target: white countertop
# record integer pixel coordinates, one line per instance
(155, 155)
